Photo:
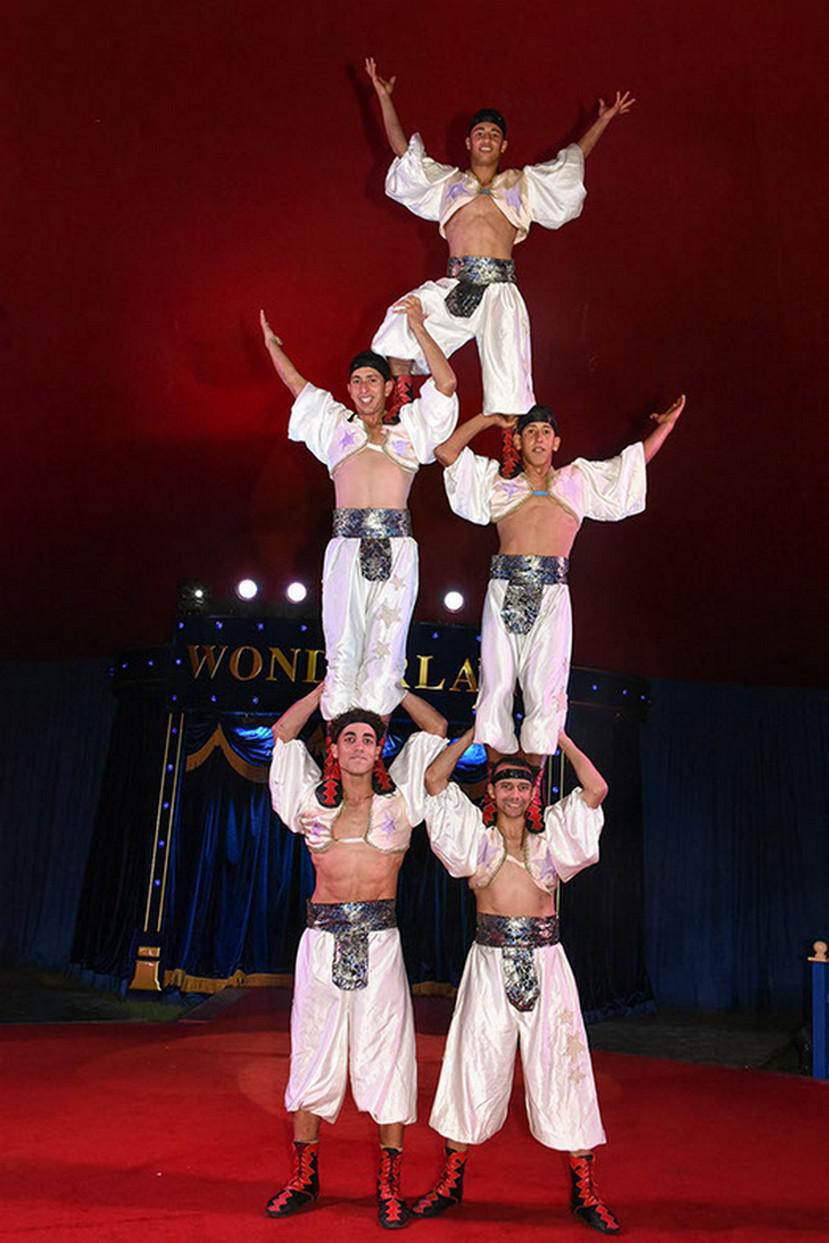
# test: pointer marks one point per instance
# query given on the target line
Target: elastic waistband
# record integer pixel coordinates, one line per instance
(372, 523)
(517, 931)
(529, 569)
(351, 916)
(481, 270)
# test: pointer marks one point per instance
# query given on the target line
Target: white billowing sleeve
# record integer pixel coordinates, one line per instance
(292, 781)
(614, 489)
(456, 830)
(572, 830)
(429, 420)
(417, 181)
(408, 771)
(555, 191)
(315, 419)
(468, 482)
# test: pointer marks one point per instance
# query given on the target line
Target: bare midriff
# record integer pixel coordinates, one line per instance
(354, 871)
(538, 527)
(514, 892)
(371, 480)
(480, 228)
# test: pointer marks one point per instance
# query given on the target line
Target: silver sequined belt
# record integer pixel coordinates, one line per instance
(527, 577)
(350, 923)
(374, 528)
(516, 936)
(474, 273)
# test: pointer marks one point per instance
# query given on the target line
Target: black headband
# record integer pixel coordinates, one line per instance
(488, 114)
(538, 414)
(356, 716)
(368, 358)
(514, 771)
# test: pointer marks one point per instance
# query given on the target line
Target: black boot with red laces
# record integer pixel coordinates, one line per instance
(447, 1191)
(302, 1188)
(586, 1202)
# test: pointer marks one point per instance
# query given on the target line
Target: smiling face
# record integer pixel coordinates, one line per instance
(356, 749)
(368, 391)
(512, 796)
(485, 143)
(537, 444)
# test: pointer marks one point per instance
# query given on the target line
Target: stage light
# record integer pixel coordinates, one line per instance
(296, 592)
(193, 596)
(453, 601)
(247, 589)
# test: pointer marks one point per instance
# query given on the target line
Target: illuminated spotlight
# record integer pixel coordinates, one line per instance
(193, 597)
(453, 601)
(296, 592)
(247, 589)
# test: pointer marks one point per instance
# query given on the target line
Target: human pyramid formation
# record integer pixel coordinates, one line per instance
(352, 1012)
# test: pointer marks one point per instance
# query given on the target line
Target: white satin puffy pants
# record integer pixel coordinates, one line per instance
(365, 1036)
(366, 626)
(540, 661)
(475, 1082)
(501, 327)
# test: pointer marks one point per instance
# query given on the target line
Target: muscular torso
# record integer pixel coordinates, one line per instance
(513, 891)
(480, 228)
(539, 526)
(353, 871)
(371, 480)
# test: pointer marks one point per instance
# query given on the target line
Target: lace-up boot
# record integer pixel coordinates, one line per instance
(447, 1191)
(392, 1212)
(586, 1202)
(302, 1188)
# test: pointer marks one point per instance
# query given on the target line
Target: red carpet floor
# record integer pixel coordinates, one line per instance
(156, 1133)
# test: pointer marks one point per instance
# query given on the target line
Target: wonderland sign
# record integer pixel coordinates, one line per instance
(258, 666)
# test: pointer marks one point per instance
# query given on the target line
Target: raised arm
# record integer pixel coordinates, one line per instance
(437, 362)
(621, 105)
(391, 121)
(292, 720)
(665, 424)
(424, 715)
(285, 369)
(440, 769)
(593, 784)
(448, 452)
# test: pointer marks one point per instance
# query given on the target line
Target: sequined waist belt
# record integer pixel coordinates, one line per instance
(517, 936)
(372, 523)
(474, 273)
(374, 528)
(350, 923)
(527, 577)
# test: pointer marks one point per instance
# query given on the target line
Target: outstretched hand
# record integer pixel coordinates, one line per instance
(669, 417)
(268, 332)
(502, 420)
(381, 85)
(621, 105)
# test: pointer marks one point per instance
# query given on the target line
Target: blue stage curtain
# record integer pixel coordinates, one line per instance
(238, 880)
(736, 797)
(111, 913)
(54, 729)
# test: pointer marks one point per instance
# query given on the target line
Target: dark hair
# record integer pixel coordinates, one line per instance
(368, 358)
(538, 414)
(488, 114)
(513, 767)
(353, 717)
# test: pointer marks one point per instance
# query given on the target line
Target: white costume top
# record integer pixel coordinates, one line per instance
(465, 846)
(334, 433)
(294, 778)
(545, 194)
(606, 491)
